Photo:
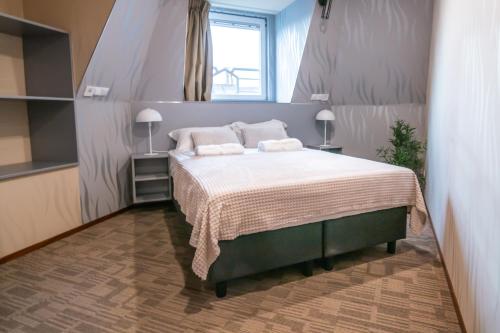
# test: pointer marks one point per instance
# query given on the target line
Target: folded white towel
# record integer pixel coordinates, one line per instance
(289, 144)
(223, 149)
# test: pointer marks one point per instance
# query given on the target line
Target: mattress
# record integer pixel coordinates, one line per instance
(224, 197)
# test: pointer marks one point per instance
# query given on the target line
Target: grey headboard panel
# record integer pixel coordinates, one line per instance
(299, 117)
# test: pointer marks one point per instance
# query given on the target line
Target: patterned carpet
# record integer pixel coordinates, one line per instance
(131, 274)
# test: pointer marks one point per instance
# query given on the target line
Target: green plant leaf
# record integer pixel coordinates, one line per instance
(405, 149)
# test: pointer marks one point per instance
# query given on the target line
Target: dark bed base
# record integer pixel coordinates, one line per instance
(327, 263)
(356, 232)
(263, 251)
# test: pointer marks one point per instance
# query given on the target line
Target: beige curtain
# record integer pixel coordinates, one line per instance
(198, 64)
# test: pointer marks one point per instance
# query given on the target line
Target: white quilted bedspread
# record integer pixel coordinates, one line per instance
(224, 197)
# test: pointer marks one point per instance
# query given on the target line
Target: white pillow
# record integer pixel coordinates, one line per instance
(253, 135)
(184, 139)
(238, 126)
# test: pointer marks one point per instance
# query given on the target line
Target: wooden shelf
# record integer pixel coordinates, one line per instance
(151, 197)
(31, 168)
(16, 26)
(36, 98)
(150, 177)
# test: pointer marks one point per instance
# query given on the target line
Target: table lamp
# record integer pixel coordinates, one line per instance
(149, 116)
(325, 115)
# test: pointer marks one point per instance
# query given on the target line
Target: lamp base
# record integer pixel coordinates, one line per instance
(150, 154)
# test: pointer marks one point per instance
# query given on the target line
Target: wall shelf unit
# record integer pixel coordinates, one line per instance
(17, 26)
(36, 98)
(48, 97)
(31, 168)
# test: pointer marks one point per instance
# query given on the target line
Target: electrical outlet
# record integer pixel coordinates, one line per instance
(89, 91)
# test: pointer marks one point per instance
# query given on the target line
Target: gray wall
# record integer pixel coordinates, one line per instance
(140, 55)
(163, 73)
(361, 129)
(370, 52)
(292, 27)
(104, 124)
(372, 58)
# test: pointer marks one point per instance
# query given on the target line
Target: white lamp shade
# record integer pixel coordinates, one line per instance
(325, 115)
(148, 116)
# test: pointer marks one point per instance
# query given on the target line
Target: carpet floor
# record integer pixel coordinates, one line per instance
(132, 274)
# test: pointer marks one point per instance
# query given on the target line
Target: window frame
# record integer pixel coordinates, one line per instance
(236, 18)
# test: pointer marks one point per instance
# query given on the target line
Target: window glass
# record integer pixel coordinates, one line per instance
(239, 57)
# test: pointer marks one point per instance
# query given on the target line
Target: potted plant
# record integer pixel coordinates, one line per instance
(405, 150)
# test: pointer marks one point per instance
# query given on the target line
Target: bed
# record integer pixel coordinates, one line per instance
(258, 211)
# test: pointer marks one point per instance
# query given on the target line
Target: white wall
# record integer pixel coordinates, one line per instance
(463, 189)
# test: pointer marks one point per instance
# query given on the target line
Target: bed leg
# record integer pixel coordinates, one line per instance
(221, 289)
(391, 247)
(327, 263)
(307, 268)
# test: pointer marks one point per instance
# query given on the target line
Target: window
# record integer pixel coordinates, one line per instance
(240, 56)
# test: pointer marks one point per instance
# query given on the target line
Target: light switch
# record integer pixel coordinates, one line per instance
(101, 91)
(320, 97)
(89, 91)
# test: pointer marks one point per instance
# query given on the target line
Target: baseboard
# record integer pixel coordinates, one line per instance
(448, 279)
(65, 234)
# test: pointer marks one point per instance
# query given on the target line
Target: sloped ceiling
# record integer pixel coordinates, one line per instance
(368, 53)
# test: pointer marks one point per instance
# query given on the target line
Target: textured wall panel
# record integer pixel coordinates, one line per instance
(104, 154)
(370, 52)
(163, 74)
(104, 124)
(292, 26)
(361, 129)
(53, 208)
(463, 186)
(11, 66)
(12, 7)
(119, 57)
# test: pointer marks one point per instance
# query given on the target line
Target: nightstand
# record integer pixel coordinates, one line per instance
(330, 149)
(150, 178)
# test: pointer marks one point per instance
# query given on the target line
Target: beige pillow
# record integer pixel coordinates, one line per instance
(183, 136)
(217, 136)
(253, 135)
(238, 126)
